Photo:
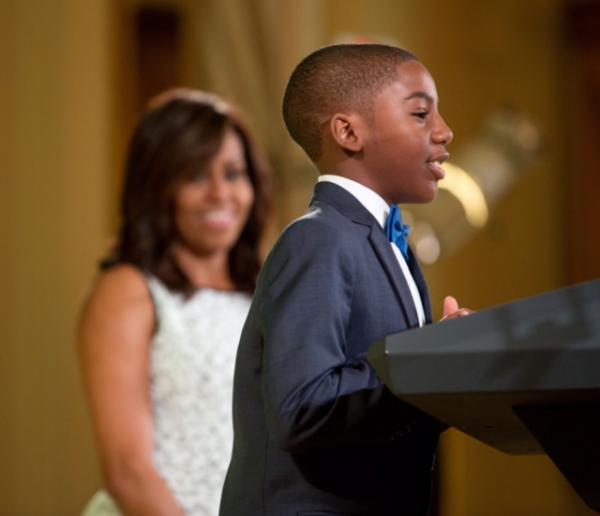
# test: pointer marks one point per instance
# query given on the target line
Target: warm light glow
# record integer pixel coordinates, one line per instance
(462, 186)
(428, 249)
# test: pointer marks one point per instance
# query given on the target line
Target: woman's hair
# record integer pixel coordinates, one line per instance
(178, 136)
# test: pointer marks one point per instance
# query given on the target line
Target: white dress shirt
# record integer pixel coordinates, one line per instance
(377, 206)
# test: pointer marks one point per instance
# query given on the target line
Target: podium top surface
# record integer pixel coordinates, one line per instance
(472, 372)
(546, 342)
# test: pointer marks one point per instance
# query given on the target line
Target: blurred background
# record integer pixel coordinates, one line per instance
(519, 84)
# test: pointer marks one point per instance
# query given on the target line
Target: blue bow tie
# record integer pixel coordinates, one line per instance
(396, 231)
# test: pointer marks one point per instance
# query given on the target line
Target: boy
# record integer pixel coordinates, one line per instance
(316, 432)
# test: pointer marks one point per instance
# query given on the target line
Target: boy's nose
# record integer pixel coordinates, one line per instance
(442, 134)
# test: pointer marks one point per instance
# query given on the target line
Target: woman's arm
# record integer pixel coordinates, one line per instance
(114, 338)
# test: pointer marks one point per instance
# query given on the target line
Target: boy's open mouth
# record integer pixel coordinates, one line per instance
(435, 165)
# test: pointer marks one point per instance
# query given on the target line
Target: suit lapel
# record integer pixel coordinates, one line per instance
(351, 208)
(417, 275)
(392, 268)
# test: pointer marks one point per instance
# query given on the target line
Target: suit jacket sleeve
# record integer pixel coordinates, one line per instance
(314, 393)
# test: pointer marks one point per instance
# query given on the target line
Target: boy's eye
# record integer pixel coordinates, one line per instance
(421, 114)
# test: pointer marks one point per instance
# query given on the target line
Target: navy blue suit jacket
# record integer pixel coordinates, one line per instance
(316, 432)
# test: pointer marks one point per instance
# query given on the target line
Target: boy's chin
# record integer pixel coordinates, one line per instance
(421, 198)
(431, 193)
(431, 197)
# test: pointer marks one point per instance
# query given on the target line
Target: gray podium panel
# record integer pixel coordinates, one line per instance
(510, 375)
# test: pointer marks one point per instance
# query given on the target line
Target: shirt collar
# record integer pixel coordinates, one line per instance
(371, 200)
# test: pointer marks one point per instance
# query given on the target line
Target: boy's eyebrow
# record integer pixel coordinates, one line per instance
(420, 94)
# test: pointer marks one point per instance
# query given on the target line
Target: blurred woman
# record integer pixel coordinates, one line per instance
(159, 332)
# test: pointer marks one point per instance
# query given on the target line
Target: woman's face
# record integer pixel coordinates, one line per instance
(212, 210)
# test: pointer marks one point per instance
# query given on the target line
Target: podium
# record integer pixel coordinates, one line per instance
(523, 377)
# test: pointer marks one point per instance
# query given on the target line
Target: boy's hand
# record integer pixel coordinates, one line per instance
(452, 311)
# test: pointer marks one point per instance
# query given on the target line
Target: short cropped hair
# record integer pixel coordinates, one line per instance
(336, 78)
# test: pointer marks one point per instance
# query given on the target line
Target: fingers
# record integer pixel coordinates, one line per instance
(461, 312)
(450, 305)
(452, 310)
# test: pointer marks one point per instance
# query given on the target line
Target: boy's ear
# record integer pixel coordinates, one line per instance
(347, 130)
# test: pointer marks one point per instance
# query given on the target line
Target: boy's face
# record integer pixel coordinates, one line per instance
(407, 138)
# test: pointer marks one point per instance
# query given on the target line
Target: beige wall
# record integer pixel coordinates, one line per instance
(7, 241)
(55, 108)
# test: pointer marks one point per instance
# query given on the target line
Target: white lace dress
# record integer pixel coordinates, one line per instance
(192, 361)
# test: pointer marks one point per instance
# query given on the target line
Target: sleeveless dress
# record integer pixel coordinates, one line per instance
(191, 381)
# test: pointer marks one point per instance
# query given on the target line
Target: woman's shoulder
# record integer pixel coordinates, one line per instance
(123, 278)
(120, 286)
(118, 309)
